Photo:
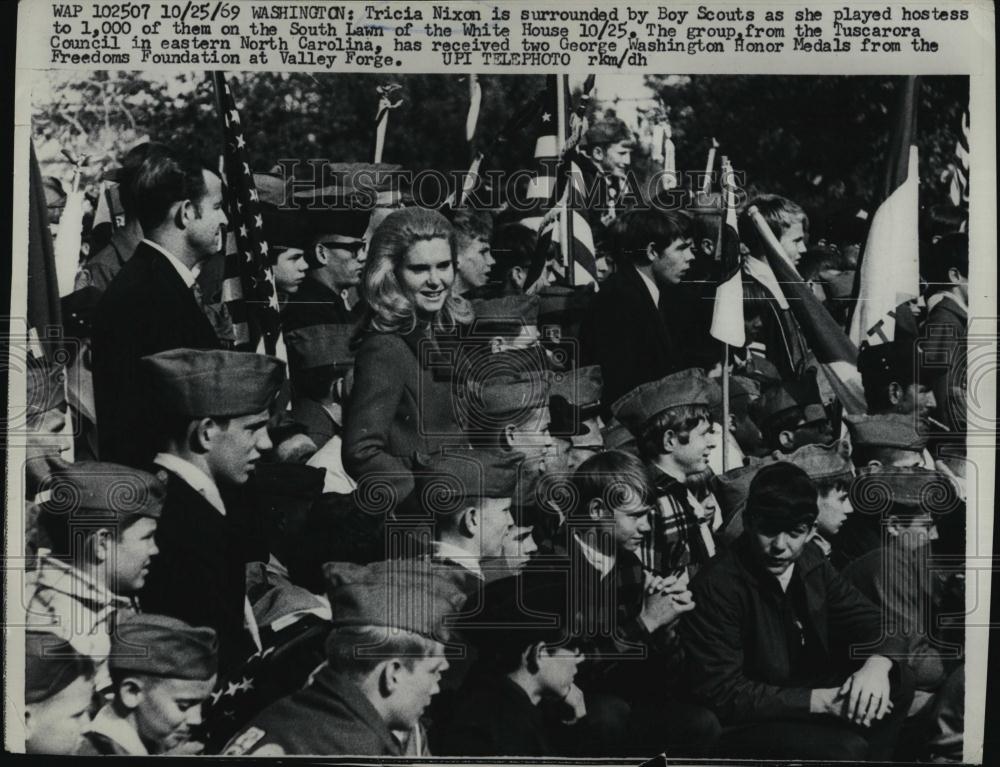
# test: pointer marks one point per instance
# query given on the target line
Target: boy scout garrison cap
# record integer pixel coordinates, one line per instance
(516, 397)
(318, 346)
(617, 437)
(823, 462)
(505, 316)
(878, 491)
(581, 387)
(50, 666)
(101, 491)
(159, 645)
(214, 382)
(445, 480)
(687, 388)
(895, 430)
(409, 594)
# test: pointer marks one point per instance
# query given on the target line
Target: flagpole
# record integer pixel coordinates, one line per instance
(706, 184)
(565, 225)
(725, 346)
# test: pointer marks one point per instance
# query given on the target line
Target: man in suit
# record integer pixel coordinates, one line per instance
(215, 407)
(627, 333)
(154, 303)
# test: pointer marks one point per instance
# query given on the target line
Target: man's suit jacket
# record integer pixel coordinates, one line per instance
(315, 304)
(199, 575)
(627, 335)
(146, 309)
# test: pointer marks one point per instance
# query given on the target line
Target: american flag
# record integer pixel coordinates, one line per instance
(560, 185)
(248, 289)
(959, 190)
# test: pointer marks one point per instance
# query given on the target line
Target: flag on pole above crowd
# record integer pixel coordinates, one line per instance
(385, 105)
(44, 309)
(959, 189)
(834, 351)
(889, 273)
(727, 313)
(557, 195)
(248, 289)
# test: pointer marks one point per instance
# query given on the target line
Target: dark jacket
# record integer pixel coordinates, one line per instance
(319, 424)
(627, 335)
(736, 642)
(146, 309)
(401, 405)
(495, 718)
(199, 575)
(328, 717)
(315, 304)
(947, 324)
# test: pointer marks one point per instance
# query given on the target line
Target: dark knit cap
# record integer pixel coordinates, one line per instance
(782, 495)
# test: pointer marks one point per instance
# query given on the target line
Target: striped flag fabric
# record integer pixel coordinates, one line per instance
(557, 195)
(385, 105)
(889, 272)
(959, 189)
(834, 351)
(248, 289)
(727, 312)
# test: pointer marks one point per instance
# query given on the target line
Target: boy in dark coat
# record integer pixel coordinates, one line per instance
(770, 643)
(215, 406)
(384, 661)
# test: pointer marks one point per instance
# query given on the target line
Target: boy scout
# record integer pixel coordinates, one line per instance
(58, 694)
(831, 473)
(162, 670)
(384, 661)
(576, 398)
(671, 421)
(215, 408)
(98, 522)
(774, 642)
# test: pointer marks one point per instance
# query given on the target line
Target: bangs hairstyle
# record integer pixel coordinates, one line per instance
(472, 224)
(389, 309)
(779, 212)
(613, 476)
(680, 420)
(646, 225)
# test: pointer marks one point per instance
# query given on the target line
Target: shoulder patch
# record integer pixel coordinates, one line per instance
(244, 742)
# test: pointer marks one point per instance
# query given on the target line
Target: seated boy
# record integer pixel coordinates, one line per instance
(776, 640)
(162, 671)
(58, 693)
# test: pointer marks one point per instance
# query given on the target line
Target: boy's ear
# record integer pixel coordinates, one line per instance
(787, 439)
(530, 657)
(595, 509)
(669, 441)
(131, 692)
(103, 540)
(895, 393)
(389, 676)
(496, 345)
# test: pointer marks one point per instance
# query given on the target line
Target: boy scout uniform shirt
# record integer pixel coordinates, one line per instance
(330, 716)
(110, 734)
(74, 607)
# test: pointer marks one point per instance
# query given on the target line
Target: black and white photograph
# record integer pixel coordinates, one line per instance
(525, 414)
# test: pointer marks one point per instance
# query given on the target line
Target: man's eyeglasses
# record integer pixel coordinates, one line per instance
(353, 248)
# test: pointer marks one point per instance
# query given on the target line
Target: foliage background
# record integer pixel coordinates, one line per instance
(818, 140)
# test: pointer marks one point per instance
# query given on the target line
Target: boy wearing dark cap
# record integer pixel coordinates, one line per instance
(215, 407)
(895, 381)
(286, 233)
(525, 658)
(575, 404)
(469, 494)
(672, 424)
(58, 694)
(514, 417)
(774, 643)
(831, 473)
(97, 521)
(791, 416)
(162, 671)
(335, 249)
(384, 662)
(890, 439)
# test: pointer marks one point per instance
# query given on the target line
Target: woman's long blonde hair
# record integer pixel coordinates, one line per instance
(390, 310)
